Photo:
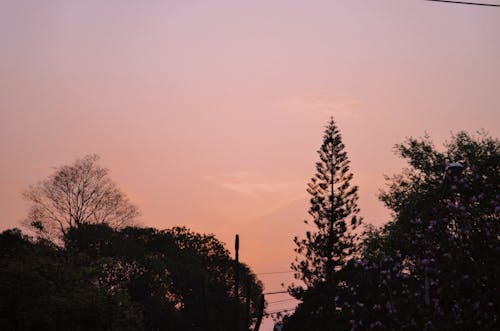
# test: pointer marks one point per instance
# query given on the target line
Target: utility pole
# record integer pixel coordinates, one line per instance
(236, 284)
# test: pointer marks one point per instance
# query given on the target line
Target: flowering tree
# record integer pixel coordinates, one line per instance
(435, 267)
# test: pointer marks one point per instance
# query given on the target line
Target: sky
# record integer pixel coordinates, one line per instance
(209, 113)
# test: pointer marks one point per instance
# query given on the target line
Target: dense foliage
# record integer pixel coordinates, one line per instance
(41, 288)
(128, 279)
(435, 266)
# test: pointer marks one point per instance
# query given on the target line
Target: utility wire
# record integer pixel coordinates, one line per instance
(274, 272)
(285, 300)
(466, 3)
(230, 321)
(277, 292)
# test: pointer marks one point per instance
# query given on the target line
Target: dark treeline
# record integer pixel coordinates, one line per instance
(88, 268)
(128, 279)
(435, 266)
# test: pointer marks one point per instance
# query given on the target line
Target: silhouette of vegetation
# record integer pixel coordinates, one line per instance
(81, 193)
(87, 270)
(326, 250)
(42, 288)
(120, 279)
(435, 266)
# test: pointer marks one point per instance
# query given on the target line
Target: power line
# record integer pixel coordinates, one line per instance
(230, 321)
(285, 300)
(277, 292)
(274, 272)
(467, 3)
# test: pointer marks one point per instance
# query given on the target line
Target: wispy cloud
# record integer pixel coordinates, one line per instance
(247, 183)
(319, 104)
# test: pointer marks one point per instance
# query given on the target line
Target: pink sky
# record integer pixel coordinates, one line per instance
(209, 113)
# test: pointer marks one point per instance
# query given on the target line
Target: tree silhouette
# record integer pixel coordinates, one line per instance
(435, 266)
(81, 193)
(43, 288)
(180, 279)
(126, 279)
(334, 212)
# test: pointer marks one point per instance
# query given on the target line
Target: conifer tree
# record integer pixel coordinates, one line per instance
(334, 214)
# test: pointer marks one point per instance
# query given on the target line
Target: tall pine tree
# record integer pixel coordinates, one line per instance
(334, 211)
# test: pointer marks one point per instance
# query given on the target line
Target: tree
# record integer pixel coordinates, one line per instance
(127, 279)
(81, 193)
(334, 211)
(181, 279)
(42, 289)
(435, 266)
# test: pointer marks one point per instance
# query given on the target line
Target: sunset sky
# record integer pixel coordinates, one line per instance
(209, 113)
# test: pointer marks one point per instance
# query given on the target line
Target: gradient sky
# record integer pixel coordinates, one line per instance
(209, 113)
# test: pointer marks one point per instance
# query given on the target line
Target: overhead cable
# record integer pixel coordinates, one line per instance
(467, 3)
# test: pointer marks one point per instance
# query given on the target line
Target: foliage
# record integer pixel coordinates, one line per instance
(173, 279)
(81, 193)
(326, 250)
(318, 311)
(41, 289)
(435, 267)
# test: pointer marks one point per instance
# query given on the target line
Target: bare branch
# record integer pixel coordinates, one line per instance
(77, 194)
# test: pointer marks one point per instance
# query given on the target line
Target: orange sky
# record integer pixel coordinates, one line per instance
(209, 113)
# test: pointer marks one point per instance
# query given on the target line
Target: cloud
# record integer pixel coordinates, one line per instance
(247, 183)
(319, 104)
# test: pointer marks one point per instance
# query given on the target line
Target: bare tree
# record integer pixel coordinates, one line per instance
(81, 193)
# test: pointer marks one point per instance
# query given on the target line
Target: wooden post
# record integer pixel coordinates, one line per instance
(236, 284)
